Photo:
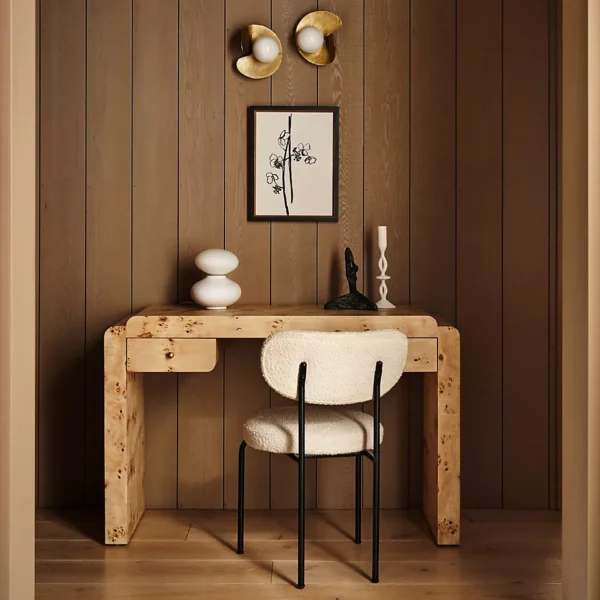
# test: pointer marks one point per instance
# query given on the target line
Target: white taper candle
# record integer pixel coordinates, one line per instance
(382, 236)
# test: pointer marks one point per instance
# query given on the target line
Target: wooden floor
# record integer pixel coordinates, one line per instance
(188, 555)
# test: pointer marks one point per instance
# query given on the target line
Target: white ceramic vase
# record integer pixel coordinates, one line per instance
(216, 291)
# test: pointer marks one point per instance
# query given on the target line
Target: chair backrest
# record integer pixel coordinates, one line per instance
(340, 365)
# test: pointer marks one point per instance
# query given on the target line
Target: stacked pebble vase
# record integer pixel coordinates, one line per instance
(216, 291)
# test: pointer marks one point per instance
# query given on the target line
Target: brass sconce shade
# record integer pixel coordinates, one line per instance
(249, 65)
(327, 23)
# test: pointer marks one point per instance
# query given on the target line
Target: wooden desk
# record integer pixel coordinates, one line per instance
(184, 338)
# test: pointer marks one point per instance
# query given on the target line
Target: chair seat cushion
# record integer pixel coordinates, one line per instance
(328, 431)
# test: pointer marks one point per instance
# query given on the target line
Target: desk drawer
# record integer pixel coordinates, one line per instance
(164, 355)
(422, 355)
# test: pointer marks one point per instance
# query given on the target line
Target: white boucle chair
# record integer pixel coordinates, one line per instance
(322, 369)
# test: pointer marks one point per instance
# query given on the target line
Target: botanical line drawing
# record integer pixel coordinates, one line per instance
(282, 180)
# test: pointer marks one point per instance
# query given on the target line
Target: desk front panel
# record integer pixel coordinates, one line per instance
(199, 355)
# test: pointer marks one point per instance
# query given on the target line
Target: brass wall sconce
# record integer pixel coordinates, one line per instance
(265, 52)
(314, 38)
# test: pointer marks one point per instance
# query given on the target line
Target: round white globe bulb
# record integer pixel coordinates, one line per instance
(310, 40)
(265, 49)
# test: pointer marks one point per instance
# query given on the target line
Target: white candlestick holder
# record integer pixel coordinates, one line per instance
(383, 302)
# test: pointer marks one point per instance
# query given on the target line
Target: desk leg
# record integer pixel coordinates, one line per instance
(123, 441)
(441, 482)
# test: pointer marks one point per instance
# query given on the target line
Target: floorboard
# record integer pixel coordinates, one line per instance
(186, 554)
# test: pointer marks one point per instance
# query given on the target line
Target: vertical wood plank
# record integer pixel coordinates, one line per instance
(341, 84)
(245, 390)
(387, 198)
(293, 245)
(201, 226)
(554, 66)
(525, 222)
(479, 247)
(108, 219)
(433, 148)
(433, 181)
(61, 409)
(154, 241)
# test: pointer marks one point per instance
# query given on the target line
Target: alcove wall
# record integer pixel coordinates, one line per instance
(448, 136)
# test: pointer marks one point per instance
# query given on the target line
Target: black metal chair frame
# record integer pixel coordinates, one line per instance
(300, 459)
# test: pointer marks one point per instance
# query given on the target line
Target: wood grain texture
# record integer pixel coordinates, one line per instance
(124, 432)
(317, 592)
(323, 550)
(228, 571)
(341, 84)
(387, 202)
(245, 390)
(168, 355)
(554, 308)
(108, 206)
(479, 246)
(201, 135)
(149, 345)
(506, 554)
(432, 156)
(432, 184)
(293, 245)
(250, 241)
(201, 226)
(441, 434)
(259, 321)
(525, 255)
(246, 393)
(404, 102)
(417, 572)
(429, 354)
(61, 410)
(154, 218)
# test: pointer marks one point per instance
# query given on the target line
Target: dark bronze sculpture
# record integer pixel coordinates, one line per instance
(354, 300)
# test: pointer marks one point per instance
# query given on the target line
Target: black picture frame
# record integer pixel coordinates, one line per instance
(252, 177)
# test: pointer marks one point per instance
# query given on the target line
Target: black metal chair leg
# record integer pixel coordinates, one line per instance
(301, 472)
(376, 475)
(358, 499)
(241, 485)
(376, 469)
(301, 522)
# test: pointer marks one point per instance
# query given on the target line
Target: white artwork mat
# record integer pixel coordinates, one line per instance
(308, 190)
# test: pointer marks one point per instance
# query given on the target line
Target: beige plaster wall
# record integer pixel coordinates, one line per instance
(18, 251)
(580, 269)
(593, 467)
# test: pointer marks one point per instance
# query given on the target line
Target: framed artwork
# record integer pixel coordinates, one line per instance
(293, 163)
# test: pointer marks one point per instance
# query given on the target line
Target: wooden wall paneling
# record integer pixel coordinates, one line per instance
(108, 219)
(433, 185)
(245, 390)
(479, 248)
(61, 408)
(293, 245)
(103, 107)
(553, 296)
(387, 202)
(154, 225)
(525, 254)
(201, 226)
(341, 84)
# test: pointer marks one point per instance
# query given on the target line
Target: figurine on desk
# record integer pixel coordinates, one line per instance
(353, 300)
